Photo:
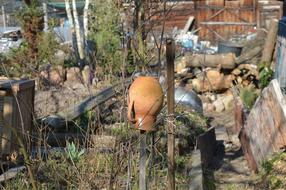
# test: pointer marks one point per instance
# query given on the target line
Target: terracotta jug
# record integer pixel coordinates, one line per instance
(145, 101)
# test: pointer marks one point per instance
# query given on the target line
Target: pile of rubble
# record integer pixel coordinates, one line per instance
(217, 73)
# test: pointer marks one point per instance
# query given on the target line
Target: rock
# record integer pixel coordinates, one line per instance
(73, 75)
(212, 97)
(219, 106)
(209, 108)
(228, 102)
(86, 74)
(54, 76)
(57, 75)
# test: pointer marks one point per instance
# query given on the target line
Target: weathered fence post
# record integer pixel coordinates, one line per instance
(143, 160)
(170, 56)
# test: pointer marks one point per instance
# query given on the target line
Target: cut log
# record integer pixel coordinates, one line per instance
(269, 45)
(226, 61)
(236, 72)
(248, 69)
(248, 55)
(213, 81)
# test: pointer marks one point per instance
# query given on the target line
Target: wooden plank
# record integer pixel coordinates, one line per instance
(262, 136)
(11, 173)
(16, 85)
(188, 24)
(207, 145)
(7, 124)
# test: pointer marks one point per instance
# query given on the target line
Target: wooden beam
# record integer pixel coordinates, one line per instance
(213, 23)
(11, 173)
(270, 42)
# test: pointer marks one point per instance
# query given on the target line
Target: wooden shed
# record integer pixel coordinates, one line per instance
(221, 19)
(16, 114)
(217, 20)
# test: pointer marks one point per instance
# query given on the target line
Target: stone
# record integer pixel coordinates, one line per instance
(86, 74)
(57, 75)
(53, 76)
(219, 106)
(209, 108)
(73, 74)
(228, 102)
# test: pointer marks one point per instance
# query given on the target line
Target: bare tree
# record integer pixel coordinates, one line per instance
(79, 39)
(85, 18)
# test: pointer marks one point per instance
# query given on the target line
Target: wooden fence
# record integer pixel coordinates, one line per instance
(16, 114)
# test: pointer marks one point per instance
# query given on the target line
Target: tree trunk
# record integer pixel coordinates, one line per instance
(85, 19)
(70, 18)
(46, 27)
(79, 40)
(4, 17)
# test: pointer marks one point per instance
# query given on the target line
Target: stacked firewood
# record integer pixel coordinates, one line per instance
(219, 72)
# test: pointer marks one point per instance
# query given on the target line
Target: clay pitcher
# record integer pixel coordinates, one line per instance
(145, 101)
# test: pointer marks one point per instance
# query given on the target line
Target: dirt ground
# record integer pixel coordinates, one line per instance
(56, 99)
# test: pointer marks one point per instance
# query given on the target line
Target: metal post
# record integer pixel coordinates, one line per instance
(170, 56)
(4, 17)
(143, 160)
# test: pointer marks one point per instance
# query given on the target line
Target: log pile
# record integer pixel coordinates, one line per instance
(219, 72)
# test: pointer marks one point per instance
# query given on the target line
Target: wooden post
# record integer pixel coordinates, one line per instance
(143, 160)
(4, 17)
(170, 56)
(270, 42)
